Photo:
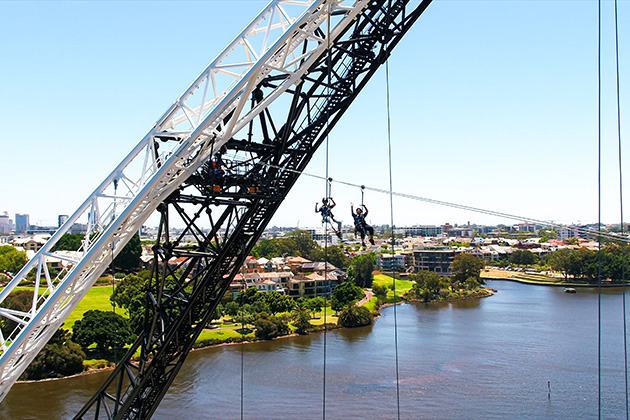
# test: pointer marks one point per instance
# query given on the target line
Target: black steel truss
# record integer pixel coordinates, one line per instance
(226, 218)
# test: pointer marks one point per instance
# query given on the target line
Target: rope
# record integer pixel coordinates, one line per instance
(327, 195)
(391, 206)
(243, 350)
(114, 283)
(623, 249)
(599, 208)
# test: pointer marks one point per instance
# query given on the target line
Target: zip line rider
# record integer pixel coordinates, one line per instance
(326, 212)
(360, 225)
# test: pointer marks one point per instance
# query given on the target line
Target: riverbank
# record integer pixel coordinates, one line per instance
(551, 283)
(485, 292)
(203, 344)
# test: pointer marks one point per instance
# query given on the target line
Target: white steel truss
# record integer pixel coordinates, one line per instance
(196, 125)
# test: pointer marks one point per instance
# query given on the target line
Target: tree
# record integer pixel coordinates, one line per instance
(267, 248)
(427, 285)
(379, 291)
(69, 242)
(270, 326)
(107, 330)
(19, 300)
(278, 302)
(524, 257)
(59, 357)
(129, 257)
(231, 308)
(131, 287)
(345, 294)
(11, 259)
(301, 318)
(315, 304)
(335, 256)
(249, 296)
(362, 268)
(561, 261)
(305, 246)
(465, 266)
(355, 316)
(584, 263)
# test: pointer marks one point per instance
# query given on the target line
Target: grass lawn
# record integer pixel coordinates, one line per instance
(319, 320)
(371, 304)
(402, 286)
(96, 298)
(220, 334)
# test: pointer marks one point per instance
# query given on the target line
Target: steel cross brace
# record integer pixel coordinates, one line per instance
(180, 301)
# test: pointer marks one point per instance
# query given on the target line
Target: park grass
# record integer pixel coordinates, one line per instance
(221, 335)
(97, 298)
(331, 318)
(402, 286)
(372, 304)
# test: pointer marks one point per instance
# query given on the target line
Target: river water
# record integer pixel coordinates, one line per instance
(479, 359)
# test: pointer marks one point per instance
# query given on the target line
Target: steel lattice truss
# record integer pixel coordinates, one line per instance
(260, 110)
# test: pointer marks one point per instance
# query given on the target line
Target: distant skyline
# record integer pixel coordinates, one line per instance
(493, 105)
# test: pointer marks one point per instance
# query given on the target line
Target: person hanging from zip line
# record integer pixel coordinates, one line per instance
(326, 211)
(360, 225)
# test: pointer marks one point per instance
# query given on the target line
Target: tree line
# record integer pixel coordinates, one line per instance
(465, 280)
(613, 262)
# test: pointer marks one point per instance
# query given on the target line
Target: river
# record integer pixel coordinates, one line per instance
(479, 359)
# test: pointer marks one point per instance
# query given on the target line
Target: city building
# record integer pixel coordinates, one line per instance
(22, 223)
(420, 231)
(388, 262)
(436, 260)
(5, 223)
(61, 219)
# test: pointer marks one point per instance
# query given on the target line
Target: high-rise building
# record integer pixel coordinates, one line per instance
(5, 223)
(62, 219)
(21, 223)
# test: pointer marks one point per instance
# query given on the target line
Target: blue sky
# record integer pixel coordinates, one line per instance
(494, 105)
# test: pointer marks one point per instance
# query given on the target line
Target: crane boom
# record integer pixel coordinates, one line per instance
(260, 110)
(190, 130)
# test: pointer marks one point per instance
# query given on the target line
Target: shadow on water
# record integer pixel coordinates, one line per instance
(439, 306)
(354, 335)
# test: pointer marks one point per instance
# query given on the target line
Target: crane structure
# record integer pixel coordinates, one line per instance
(219, 161)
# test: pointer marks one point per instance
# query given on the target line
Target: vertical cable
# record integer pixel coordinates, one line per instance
(114, 307)
(623, 247)
(327, 195)
(243, 347)
(599, 209)
(391, 206)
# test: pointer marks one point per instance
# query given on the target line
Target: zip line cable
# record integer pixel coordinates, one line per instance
(623, 249)
(391, 207)
(546, 223)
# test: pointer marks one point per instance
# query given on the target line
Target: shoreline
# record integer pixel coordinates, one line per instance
(386, 305)
(552, 284)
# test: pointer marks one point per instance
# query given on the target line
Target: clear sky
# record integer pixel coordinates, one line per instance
(493, 105)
